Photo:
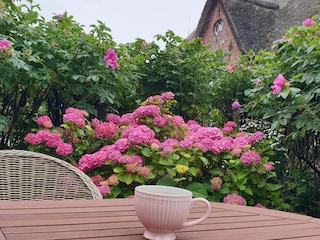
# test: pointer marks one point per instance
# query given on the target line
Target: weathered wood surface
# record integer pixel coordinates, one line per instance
(116, 219)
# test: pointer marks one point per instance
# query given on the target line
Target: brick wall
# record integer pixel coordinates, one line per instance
(225, 40)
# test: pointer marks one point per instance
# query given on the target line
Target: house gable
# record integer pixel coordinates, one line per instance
(223, 39)
(248, 26)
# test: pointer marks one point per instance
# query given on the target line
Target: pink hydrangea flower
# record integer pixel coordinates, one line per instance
(53, 140)
(126, 119)
(241, 134)
(205, 144)
(240, 142)
(236, 151)
(33, 139)
(137, 160)
(113, 180)
(97, 179)
(74, 118)
(111, 59)
(170, 142)
(308, 22)
(144, 111)
(208, 132)
(127, 159)
(122, 144)
(64, 149)
(257, 136)
(4, 45)
(234, 199)
(227, 130)
(79, 112)
(104, 190)
(111, 153)
(113, 118)
(231, 124)
(141, 135)
(144, 171)
(131, 168)
(250, 157)
(43, 135)
(95, 122)
(155, 100)
(167, 96)
(178, 121)
(216, 183)
(187, 144)
(127, 130)
(191, 122)
(90, 161)
(154, 141)
(221, 145)
(166, 151)
(160, 121)
(168, 117)
(124, 159)
(154, 146)
(106, 130)
(44, 121)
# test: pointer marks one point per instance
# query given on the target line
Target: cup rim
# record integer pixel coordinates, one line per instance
(175, 191)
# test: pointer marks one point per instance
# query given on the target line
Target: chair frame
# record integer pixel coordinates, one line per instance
(27, 175)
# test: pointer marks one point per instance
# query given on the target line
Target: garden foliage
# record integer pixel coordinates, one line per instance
(49, 66)
(153, 146)
(286, 94)
(58, 82)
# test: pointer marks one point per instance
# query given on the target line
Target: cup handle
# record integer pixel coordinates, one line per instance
(194, 222)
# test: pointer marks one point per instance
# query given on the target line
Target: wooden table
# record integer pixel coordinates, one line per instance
(116, 219)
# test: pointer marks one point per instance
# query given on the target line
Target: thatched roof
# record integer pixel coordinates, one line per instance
(257, 27)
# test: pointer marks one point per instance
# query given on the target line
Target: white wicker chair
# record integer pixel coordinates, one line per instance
(26, 175)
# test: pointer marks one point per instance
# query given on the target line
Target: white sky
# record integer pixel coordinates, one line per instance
(130, 19)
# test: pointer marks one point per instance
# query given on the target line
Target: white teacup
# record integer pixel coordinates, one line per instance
(163, 210)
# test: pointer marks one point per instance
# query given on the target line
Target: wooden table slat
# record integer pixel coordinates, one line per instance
(116, 219)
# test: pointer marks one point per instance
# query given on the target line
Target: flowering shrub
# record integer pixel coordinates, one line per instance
(44, 72)
(287, 96)
(288, 91)
(153, 146)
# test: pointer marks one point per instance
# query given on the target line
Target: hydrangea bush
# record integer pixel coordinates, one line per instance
(153, 146)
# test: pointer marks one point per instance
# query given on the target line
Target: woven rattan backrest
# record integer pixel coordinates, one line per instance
(26, 175)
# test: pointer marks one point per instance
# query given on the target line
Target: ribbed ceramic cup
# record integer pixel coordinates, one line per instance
(163, 210)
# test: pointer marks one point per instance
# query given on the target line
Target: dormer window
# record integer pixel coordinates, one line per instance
(218, 27)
